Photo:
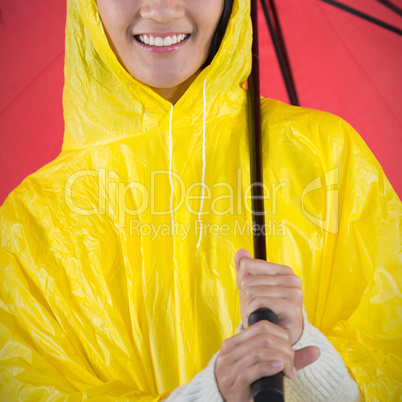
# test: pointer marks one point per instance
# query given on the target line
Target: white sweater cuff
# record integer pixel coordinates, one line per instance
(327, 379)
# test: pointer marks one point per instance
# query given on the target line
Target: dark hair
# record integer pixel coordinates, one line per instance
(220, 30)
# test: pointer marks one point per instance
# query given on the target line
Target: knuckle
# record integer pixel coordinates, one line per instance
(294, 306)
(259, 301)
(297, 281)
(266, 341)
(253, 356)
(239, 279)
(242, 377)
(290, 356)
(248, 296)
(286, 335)
(263, 327)
(298, 294)
(288, 270)
(242, 282)
(243, 265)
(224, 380)
(224, 348)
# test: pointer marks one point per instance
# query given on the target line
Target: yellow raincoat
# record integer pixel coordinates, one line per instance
(117, 275)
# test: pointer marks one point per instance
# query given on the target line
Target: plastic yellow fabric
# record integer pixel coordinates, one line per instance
(97, 305)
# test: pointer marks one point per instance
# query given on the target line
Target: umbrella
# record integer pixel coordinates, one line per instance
(275, 31)
(340, 63)
(344, 64)
(31, 84)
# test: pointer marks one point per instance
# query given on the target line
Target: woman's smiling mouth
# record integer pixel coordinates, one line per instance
(159, 41)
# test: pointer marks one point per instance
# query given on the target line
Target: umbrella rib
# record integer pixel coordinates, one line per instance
(278, 41)
(364, 16)
(391, 6)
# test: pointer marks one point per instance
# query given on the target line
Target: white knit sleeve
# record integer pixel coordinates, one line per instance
(327, 379)
(202, 388)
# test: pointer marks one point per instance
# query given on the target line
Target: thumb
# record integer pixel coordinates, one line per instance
(306, 356)
(241, 253)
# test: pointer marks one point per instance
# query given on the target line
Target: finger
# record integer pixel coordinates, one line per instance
(250, 293)
(261, 342)
(283, 308)
(250, 266)
(276, 359)
(242, 253)
(290, 280)
(264, 328)
(306, 356)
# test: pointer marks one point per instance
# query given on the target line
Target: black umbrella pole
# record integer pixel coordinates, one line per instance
(266, 388)
(254, 117)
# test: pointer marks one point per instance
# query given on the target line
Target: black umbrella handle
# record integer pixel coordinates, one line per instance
(267, 388)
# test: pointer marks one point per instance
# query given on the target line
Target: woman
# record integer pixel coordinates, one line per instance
(118, 277)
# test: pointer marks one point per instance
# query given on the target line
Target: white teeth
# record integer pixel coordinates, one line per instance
(158, 41)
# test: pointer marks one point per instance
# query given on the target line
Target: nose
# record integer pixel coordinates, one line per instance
(162, 10)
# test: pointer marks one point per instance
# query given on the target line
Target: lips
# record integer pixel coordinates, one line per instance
(159, 41)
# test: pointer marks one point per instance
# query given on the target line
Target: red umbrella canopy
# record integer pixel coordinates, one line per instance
(345, 65)
(341, 64)
(31, 84)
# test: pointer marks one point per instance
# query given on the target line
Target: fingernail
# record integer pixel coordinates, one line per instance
(277, 364)
(294, 371)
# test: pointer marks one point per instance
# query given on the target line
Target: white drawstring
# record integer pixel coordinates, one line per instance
(171, 169)
(203, 159)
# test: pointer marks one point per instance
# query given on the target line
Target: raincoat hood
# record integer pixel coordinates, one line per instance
(93, 73)
(117, 261)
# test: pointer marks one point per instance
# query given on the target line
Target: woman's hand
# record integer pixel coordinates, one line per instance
(260, 350)
(263, 284)
(264, 348)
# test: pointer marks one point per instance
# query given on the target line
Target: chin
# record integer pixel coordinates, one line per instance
(164, 84)
(165, 79)
(167, 82)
